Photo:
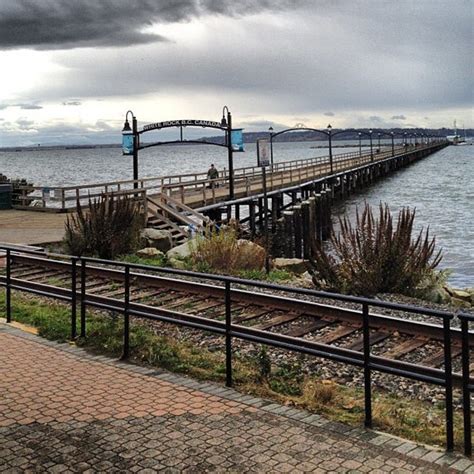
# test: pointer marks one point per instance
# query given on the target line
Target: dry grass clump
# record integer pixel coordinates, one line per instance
(319, 392)
(109, 227)
(221, 251)
(377, 256)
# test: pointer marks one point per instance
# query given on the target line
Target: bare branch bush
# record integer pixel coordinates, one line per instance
(376, 256)
(110, 226)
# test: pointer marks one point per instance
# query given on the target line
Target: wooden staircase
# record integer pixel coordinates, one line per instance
(165, 213)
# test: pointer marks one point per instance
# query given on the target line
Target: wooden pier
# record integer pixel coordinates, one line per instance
(300, 191)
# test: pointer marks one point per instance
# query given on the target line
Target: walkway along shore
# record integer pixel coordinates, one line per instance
(64, 408)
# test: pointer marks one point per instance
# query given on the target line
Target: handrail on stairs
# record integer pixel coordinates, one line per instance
(166, 206)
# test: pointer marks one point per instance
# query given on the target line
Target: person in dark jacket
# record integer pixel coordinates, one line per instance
(213, 174)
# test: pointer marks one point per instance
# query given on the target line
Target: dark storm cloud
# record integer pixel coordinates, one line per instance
(329, 114)
(398, 117)
(59, 24)
(419, 60)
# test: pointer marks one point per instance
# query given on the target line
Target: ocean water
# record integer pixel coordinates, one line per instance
(440, 187)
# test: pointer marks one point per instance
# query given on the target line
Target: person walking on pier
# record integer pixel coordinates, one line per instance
(213, 174)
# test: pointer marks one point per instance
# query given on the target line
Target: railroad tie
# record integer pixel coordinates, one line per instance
(277, 321)
(437, 359)
(405, 348)
(184, 301)
(374, 338)
(252, 315)
(310, 327)
(339, 333)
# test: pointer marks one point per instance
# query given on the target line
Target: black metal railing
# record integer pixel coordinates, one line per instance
(80, 266)
(467, 385)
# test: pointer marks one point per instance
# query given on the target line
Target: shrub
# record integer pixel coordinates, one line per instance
(221, 251)
(109, 227)
(376, 256)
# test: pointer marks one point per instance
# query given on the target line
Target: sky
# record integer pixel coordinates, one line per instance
(72, 69)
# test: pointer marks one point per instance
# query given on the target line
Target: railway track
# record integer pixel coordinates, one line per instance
(416, 345)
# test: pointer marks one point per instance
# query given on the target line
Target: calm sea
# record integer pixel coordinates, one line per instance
(440, 187)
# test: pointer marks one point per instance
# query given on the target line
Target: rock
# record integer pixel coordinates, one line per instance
(306, 280)
(159, 239)
(461, 294)
(294, 265)
(459, 303)
(181, 251)
(150, 252)
(178, 264)
(252, 246)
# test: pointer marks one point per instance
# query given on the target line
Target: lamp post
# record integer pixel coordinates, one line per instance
(227, 124)
(378, 134)
(404, 139)
(371, 147)
(270, 129)
(130, 143)
(329, 128)
(414, 134)
(360, 145)
(393, 143)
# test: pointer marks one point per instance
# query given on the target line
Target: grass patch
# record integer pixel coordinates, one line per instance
(273, 276)
(159, 261)
(285, 383)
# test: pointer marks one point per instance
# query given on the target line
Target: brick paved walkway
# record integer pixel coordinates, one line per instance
(63, 410)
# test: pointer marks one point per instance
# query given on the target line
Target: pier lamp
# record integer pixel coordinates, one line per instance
(378, 135)
(130, 143)
(270, 129)
(329, 128)
(414, 138)
(360, 144)
(371, 146)
(226, 123)
(393, 143)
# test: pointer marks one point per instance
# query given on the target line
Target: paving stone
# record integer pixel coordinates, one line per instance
(74, 412)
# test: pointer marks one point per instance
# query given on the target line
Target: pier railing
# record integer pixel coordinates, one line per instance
(248, 181)
(65, 198)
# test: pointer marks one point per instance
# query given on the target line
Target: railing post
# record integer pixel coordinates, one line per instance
(73, 298)
(8, 290)
(126, 315)
(83, 298)
(228, 336)
(466, 392)
(367, 375)
(448, 372)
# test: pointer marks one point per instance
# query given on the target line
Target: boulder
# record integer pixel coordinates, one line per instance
(159, 239)
(150, 252)
(306, 280)
(459, 303)
(461, 294)
(180, 251)
(294, 265)
(178, 264)
(250, 245)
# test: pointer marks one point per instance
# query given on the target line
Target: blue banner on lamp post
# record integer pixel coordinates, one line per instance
(237, 139)
(127, 143)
